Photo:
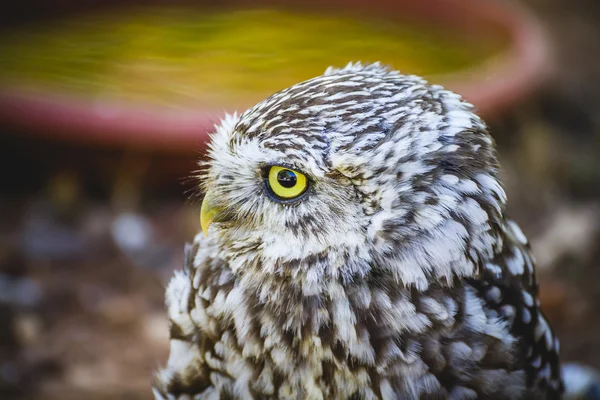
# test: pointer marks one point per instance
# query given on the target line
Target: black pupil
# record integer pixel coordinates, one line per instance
(286, 178)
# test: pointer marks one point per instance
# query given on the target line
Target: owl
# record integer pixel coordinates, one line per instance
(356, 246)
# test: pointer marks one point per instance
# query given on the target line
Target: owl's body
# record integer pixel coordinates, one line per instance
(393, 275)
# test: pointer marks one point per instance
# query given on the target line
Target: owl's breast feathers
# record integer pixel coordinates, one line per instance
(257, 336)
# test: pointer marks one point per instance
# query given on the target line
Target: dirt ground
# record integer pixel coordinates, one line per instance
(88, 239)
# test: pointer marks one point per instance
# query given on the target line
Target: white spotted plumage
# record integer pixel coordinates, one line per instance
(397, 275)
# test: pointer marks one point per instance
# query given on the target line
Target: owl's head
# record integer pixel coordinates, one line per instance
(359, 171)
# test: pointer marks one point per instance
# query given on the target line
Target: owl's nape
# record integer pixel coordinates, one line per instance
(356, 246)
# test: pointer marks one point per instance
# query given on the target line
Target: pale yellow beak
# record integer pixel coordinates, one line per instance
(208, 212)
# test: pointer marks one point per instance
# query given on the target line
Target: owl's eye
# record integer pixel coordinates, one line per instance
(285, 183)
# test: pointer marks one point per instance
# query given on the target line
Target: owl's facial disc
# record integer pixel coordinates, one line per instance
(283, 185)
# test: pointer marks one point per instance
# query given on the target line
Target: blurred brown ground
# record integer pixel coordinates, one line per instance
(81, 312)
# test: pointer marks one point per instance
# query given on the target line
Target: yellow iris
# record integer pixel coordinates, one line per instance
(286, 183)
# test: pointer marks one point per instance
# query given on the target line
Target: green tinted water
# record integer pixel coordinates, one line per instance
(186, 56)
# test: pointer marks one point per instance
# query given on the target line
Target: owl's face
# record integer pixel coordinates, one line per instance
(358, 169)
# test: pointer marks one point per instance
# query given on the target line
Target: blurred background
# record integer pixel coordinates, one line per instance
(104, 111)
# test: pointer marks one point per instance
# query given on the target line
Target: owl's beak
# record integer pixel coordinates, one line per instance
(212, 211)
(207, 212)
